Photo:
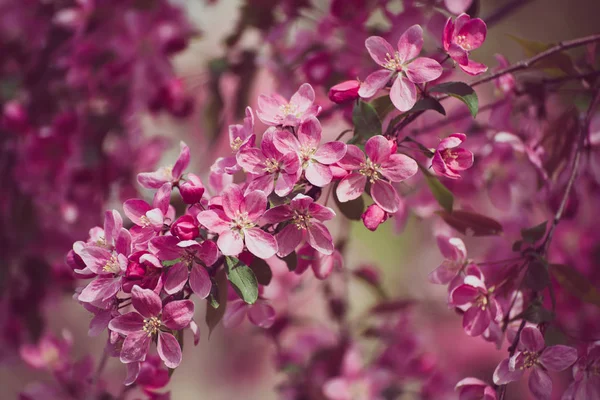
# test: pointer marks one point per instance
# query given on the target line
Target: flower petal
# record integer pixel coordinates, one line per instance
(378, 149)
(399, 167)
(531, 339)
(214, 220)
(135, 347)
(169, 350)
(319, 238)
(476, 321)
(423, 70)
(127, 323)
(261, 314)
(351, 187)
(145, 301)
(558, 358)
(403, 94)
(353, 158)
(385, 196)
(260, 243)
(410, 43)
(288, 239)
(309, 133)
(230, 243)
(232, 198)
(200, 281)
(303, 98)
(178, 314)
(503, 375)
(374, 82)
(182, 161)
(474, 32)
(540, 384)
(318, 174)
(176, 278)
(379, 49)
(330, 153)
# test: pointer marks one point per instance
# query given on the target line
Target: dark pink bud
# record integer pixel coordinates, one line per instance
(344, 92)
(185, 228)
(318, 68)
(14, 117)
(373, 216)
(143, 269)
(192, 189)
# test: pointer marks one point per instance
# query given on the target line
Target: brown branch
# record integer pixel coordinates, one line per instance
(584, 132)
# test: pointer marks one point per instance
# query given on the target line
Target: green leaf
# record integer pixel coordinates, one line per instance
(383, 106)
(440, 192)
(428, 103)
(366, 121)
(575, 283)
(535, 233)
(352, 209)
(291, 260)
(262, 270)
(215, 307)
(243, 279)
(470, 223)
(556, 64)
(461, 91)
(170, 263)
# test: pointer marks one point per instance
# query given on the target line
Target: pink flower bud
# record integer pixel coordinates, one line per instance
(185, 228)
(373, 216)
(192, 189)
(344, 92)
(14, 117)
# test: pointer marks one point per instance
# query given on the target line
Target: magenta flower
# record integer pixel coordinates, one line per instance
(461, 37)
(373, 217)
(151, 321)
(143, 270)
(271, 169)
(240, 136)
(377, 168)
(455, 258)
(475, 389)
(306, 219)
(409, 69)
(315, 159)
(189, 252)
(237, 225)
(449, 160)
(276, 111)
(533, 355)
(260, 314)
(586, 374)
(483, 307)
(170, 174)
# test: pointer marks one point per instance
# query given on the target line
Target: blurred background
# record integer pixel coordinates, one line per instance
(404, 259)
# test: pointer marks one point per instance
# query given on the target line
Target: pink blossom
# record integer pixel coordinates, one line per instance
(344, 92)
(240, 136)
(483, 308)
(150, 375)
(261, 313)
(404, 63)
(237, 223)
(191, 189)
(322, 264)
(170, 174)
(461, 37)
(306, 219)
(586, 375)
(185, 227)
(276, 111)
(535, 356)
(455, 258)
(315, 159)
(475, 389)
(140, 327)
(373, 217)
(270, 168)
(378, 167)
(143, 270)
(449, 160)
(50, 352)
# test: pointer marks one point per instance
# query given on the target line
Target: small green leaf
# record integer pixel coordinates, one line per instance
(170, 263)
(262, 270)
(471, 224)
(243, 279)
(383, 106)
(428, 103)
(441, 193)
(215, 307)
(366, 121)
(535, 233)
(461, 91)
(575, 283)
(352, 209)
(291, 260)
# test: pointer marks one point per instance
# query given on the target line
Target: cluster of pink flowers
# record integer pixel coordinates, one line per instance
(242, 234)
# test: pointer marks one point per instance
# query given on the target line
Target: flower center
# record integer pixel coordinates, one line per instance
(462, 41)
(370, 170)
(301, 219)
(241, 222)
(530, 359)
(236, 144)
(272, 165)
(145, 221)
(393, 63)
(289, 109)
(112, 265)
(151, 325)
(482, 302)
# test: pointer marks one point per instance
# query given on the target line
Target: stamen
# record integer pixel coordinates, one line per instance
(112, 265)
(152, 325)
(370, 170)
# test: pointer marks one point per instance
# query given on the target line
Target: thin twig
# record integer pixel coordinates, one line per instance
(585, 128)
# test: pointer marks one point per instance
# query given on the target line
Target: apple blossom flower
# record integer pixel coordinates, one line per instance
(149, 374)
(533, 355)
(191, 189)
(455, 253)
(475, 389)
(240, 136)
(461, 37)
(379, 166)
(306, 219)
(143, 270)
(373, 217)
(260, 314)
(483, 306)
(404, 63)
(237, 225)
(276, 111)
(449, 160)
(321, 264)
(315, 159)
(154, 180)
(586, 375)
(147, 323)
(270, 168)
